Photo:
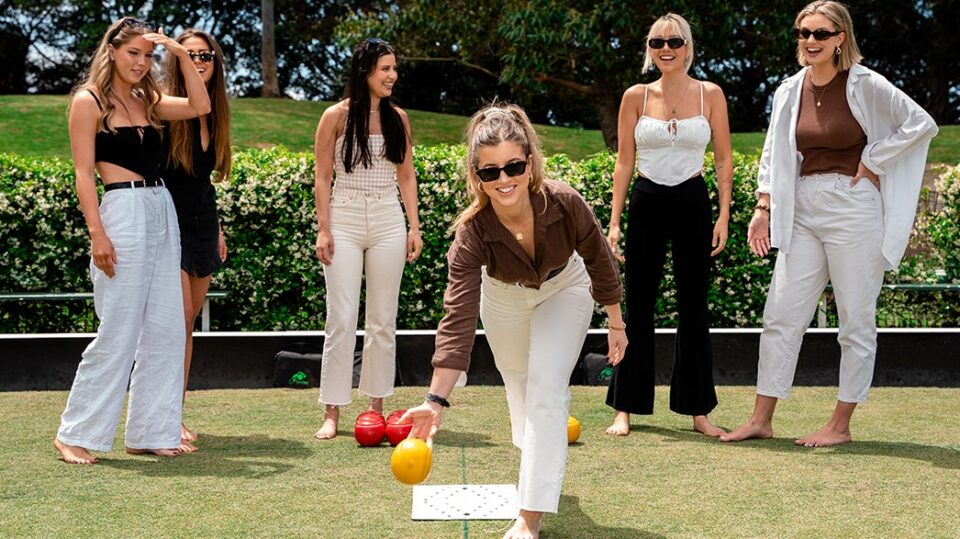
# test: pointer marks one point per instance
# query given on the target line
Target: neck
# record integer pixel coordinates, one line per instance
(674, 78)
(823, 73)
(120, 87)
(374, 102)
(513, 214)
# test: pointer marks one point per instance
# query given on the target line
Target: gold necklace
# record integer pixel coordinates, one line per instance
(519, 235)
(813, 88)
(673, 108)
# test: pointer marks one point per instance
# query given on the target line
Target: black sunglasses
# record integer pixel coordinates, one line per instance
(820, 35)
(490, 174)
(673, 42)
(376, 41)
(204, 56)
(130, 22)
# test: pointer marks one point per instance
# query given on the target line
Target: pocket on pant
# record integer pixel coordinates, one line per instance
(864, 190)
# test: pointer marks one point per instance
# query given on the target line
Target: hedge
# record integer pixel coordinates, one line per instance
(276, 282)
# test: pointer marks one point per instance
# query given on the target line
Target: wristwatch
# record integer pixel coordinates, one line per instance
(433, 397)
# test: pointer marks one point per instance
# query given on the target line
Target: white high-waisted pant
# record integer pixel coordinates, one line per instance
(141, 327)
(369, 239)
(536, 336)
(837, 235)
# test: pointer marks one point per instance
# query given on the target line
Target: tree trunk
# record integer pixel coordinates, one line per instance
(608, 112)
(268, 52)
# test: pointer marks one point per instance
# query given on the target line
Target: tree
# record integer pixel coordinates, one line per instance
(268, 52)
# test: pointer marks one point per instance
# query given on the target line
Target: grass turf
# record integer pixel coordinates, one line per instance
(37, 125)
(260, 473)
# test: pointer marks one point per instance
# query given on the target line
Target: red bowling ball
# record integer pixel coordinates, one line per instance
(397, 431)
(369, 429)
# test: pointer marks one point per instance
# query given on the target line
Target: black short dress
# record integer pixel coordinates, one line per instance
(195, 199)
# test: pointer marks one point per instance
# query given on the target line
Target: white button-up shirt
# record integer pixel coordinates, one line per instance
(898, 137)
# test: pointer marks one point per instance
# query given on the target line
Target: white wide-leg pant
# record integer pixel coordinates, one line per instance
(837, 236)
(141, 327)
(536, 336)
(369, 240)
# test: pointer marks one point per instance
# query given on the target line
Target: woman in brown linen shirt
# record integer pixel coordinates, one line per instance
(529, 258)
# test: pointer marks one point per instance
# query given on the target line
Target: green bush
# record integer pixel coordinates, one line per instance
(276, 282)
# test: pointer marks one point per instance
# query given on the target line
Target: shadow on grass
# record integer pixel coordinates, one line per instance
(939, 456)
(220, 456)
(463, 439)
(586, 526)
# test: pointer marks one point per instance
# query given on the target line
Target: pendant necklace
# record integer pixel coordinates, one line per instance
(819, 96)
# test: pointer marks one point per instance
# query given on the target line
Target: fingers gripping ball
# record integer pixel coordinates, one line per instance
(369, 429)
(411, 461)
(397, 431)
(573, 430)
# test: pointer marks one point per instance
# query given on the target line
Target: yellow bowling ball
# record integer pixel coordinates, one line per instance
(573, 430)
(411, 461)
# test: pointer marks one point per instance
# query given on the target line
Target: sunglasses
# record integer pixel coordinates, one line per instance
(673, 42)
(130, 22)
(820, 35)
(375, 41)
(204, 56)
(490, 174)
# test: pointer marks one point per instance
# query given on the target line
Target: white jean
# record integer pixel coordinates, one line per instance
(536, 336)
(369, 240)
(141, 327)
(837, 236)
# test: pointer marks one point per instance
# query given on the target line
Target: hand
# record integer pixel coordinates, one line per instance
(426, 421)
(103, 253)
(616, 345)
(613, 239)
(719, 236)
(171, 45)
(222, 247)
(324, 247)
(414, 245)
(758, 233)
(864, 172)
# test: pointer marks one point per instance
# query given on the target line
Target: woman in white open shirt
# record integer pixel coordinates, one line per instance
(827, 223)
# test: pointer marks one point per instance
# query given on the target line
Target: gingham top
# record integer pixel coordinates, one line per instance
(381, 176)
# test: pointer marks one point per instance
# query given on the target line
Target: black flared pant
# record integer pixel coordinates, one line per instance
(681, 217)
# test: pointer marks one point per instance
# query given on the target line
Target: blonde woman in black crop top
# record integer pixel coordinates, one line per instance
(114, 119)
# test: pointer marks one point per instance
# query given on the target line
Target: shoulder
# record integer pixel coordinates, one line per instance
(402, 113)
(333, 117)
(83, 104)
(712, 90)
(635, 92)
(467, 241)
(564, 195)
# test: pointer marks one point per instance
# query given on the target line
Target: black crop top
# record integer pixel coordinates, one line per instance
(135, 148)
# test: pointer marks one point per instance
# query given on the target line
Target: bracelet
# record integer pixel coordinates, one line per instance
(433, 397)
(615, 327)
(761, 207)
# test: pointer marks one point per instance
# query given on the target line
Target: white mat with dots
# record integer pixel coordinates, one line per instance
(465, 502)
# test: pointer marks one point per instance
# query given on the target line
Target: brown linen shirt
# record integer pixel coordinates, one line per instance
(829, 137)
(563, 223)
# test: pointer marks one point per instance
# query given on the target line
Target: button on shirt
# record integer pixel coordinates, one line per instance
(563, 223)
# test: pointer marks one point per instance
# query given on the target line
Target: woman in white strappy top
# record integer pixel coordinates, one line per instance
(664, 129)
(366, 143)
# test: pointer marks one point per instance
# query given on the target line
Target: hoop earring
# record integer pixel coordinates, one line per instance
(838, 50)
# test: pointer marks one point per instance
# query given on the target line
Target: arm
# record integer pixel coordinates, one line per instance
(626, 159)
(197, 102)
(325, 145)
(916, 126)
(723, 159)
(407, 183)
(83, 124)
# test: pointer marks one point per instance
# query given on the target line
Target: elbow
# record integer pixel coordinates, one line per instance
(203, 109)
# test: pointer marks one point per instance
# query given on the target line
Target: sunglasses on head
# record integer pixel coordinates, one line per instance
(375, 41)
(130, 22)
(820, 35)
(203, 56)
(490, 174)
(659, 42)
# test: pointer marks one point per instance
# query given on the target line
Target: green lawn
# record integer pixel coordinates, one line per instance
(260, 474)
(37, 125)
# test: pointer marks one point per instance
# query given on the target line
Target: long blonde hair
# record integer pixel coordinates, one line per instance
(181, 131)
(100, 75)
(839, 17)
(491, 125)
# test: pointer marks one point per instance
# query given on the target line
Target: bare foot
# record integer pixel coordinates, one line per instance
(329, 428)
(750, 429)
(187, 447)
(187, 434)
(74, 454)
(157, 452)
(825, 437)
(702, 424)
(376, 404)
(621, 424)
(527, 526)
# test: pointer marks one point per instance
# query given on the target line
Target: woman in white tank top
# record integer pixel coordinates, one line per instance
(664, 129)
(364, 152)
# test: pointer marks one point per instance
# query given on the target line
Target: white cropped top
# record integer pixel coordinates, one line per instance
(670, 152)
(380, 177)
